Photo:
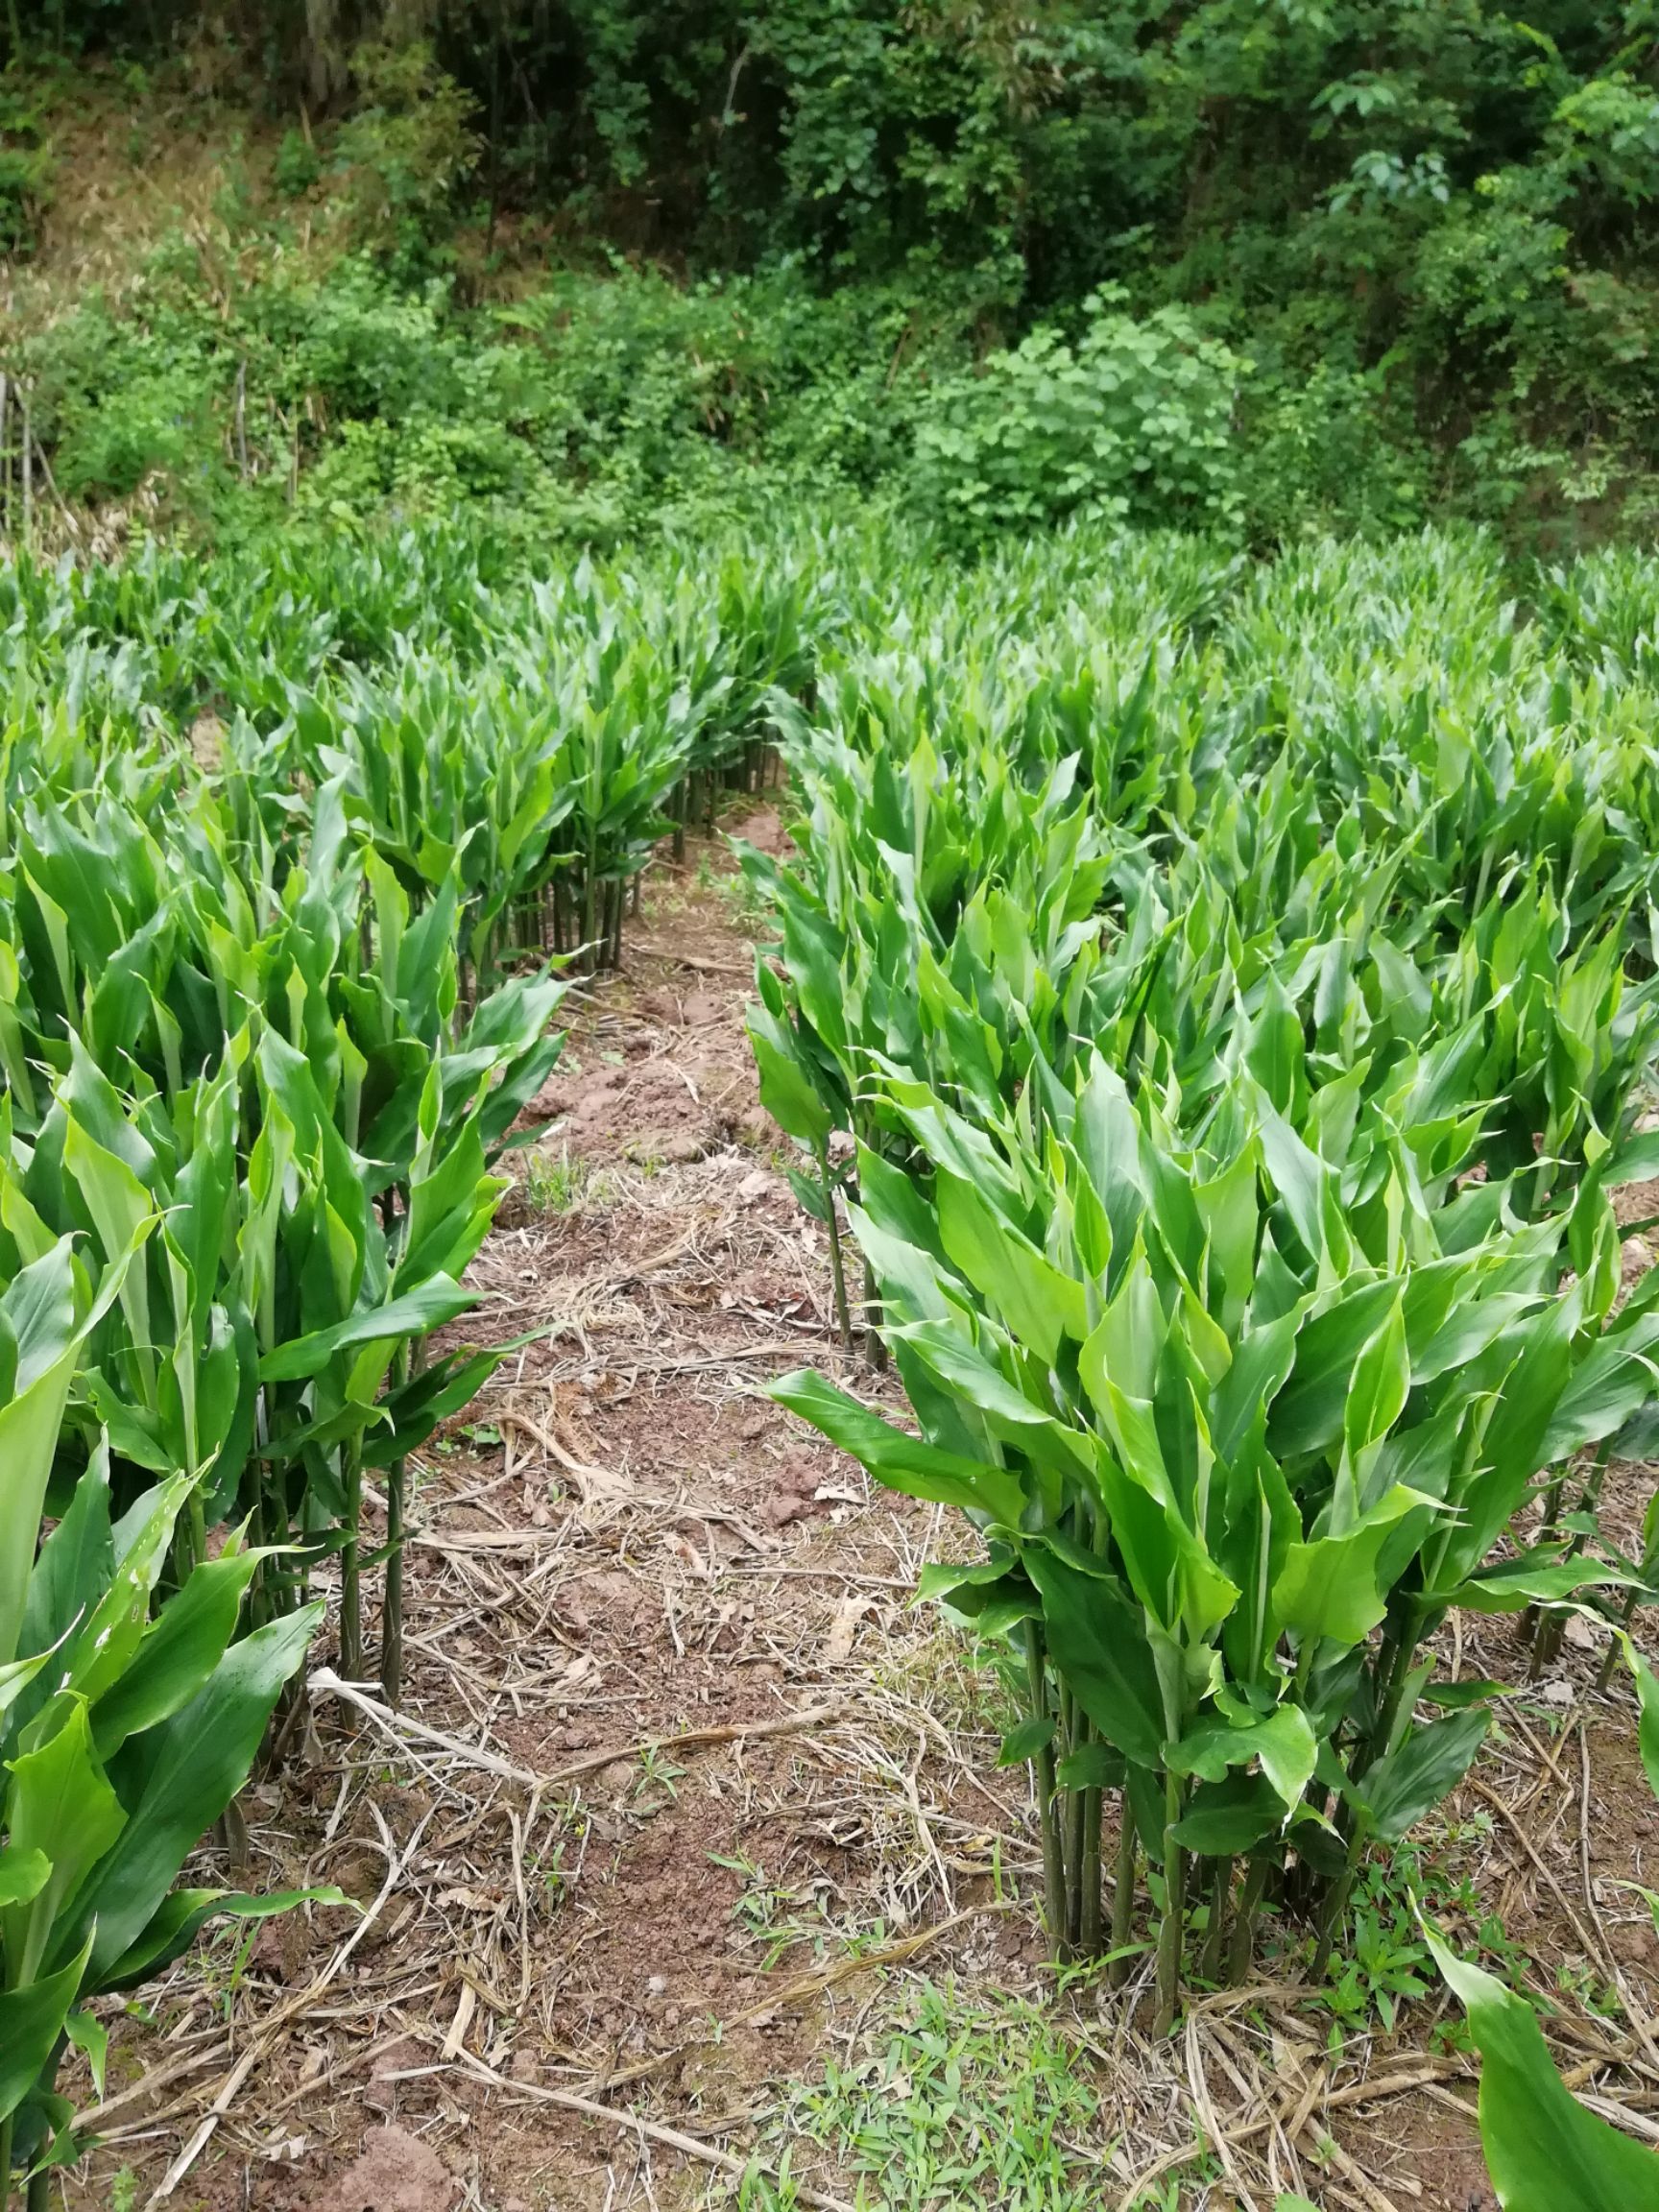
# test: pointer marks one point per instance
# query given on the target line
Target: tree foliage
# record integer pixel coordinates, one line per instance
(1431, 228)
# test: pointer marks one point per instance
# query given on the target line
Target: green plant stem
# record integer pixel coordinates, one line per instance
(1043, 1779)
(1072, 1825)
(6, 2127)
(1605, 1672)
(392, 1612)
(875, 1350)
(1336, 1903)
(1123, 1888)
(1394, 1671)
(1242, 1950)
(197, 1525)
(1533, 1620)
(1552, 1627)
(837, 1269)
(1089, 1920)
(38, 2194)
(1171, 1928)
(1215, 1934)
(233, 1835)
(351, 1578)
(1534, 1614)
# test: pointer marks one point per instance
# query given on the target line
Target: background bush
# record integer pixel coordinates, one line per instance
(602, 258)
(1134, 423)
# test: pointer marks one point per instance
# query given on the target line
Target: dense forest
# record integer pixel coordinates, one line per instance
(1259, 264)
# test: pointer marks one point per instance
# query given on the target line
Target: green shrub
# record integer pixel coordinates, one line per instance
(297, 165)
(25, 172)
(405, 151)
(1332, 450)
(1134, 423)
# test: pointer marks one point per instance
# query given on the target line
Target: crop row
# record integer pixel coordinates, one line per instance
(279, 893)
(1226, 1029)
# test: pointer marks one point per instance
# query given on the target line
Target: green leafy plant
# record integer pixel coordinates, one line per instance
(126, 1731)
(1133, 422)
(1544, 2150)
(1218, 1424)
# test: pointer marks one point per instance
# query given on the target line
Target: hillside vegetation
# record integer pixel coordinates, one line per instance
(1262, 267)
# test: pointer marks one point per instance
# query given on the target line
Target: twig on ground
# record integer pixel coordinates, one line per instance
(1595, 1946)
(395, 1724)
(269, 2034)
(695, 1739)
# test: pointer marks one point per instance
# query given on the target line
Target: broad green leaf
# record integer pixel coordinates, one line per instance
(1283, 1741)
(1543, 2152)
(23, 1874)
(1380, 1382)
(32, 2019)
(903, 1462)
(1329, 1587)
(1412, 1778)
(76, 1564)
(1648, 1699)
(1091, 1766)
(1038, 1303)
(179, 1650)
(1099, 1645)
(786, 1092)
(183, 1912)
(29, 1426)
(414, 1313)
(59, 1803)
(1025, 1739)
(91, 2038)
(1514, 1584)
(1230, 1816)
(190, 1771)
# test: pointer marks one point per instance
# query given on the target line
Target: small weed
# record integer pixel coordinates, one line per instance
(1574, 1979)
(551, 1874)
(550, 1869)
(1384, 1961)
(965, 2104)
(555, 1186)
(966, 1682)
(746, 912)
(774, 1917)
(657, 1786)
(225, 1966)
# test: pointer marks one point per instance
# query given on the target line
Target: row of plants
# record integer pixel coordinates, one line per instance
(1223, 1037)
(273, 994)
(245, 1158)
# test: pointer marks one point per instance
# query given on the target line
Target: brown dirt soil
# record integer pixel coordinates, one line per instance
(624, 1542)
(392, 2173)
